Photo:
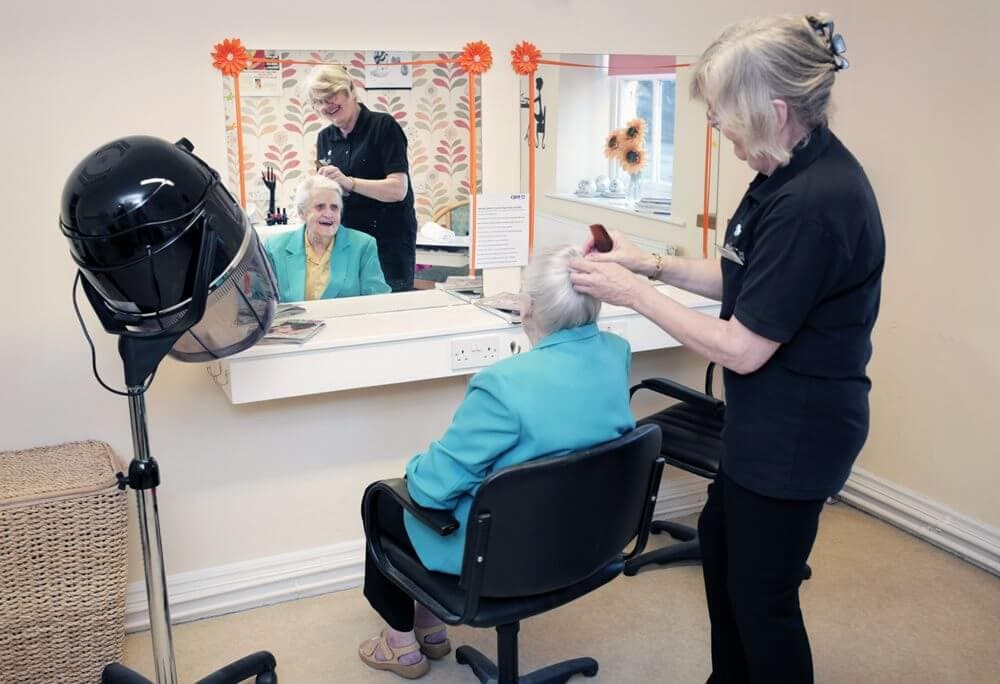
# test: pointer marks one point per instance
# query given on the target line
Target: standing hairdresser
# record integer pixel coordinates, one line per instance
(799, 281)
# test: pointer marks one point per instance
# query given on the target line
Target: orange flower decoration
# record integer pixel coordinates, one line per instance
(476, 58)
(230, 57)
(524, 58)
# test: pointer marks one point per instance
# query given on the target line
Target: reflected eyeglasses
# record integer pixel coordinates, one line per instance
(319, 104)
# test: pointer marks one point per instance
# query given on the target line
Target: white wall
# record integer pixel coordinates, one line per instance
(584, 102)
(250, 481)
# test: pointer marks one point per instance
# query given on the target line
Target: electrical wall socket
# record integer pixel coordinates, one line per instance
(474, 352)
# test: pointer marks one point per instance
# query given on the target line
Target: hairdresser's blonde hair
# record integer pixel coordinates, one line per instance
(755, 61)
(327, 80)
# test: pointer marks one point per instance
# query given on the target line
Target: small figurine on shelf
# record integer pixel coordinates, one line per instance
(284, 218)
(271, 183)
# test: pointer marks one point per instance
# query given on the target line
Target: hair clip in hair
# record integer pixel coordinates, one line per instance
(838, 46)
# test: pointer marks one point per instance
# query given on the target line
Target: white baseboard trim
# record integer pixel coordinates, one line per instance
(970, 539)
(252, 584)
(681, 494)
(241, 586)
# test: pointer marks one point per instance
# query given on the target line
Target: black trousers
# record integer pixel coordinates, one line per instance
(392, 603)
(754, 550)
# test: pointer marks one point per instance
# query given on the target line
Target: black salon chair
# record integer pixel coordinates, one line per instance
(692, 441)
(540, 534)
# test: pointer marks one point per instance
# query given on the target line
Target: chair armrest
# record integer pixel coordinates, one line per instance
(652, 491)
(442, 522)
(680, 392)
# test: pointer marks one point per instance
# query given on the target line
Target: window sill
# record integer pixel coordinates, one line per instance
(619, 205)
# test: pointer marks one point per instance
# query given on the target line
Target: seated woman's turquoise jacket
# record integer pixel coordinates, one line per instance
(568, 393)
(354, 265)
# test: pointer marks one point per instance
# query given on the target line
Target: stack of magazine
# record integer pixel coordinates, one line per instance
(506, 305)
(654, 204)
(465, 287)
(287, 330)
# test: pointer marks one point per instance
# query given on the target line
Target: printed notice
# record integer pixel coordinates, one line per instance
(261, 78)
(501, 231)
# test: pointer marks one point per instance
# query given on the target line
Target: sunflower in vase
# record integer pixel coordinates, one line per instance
(627, 146)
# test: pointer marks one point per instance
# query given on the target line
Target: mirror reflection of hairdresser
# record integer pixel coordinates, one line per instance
(323, 259)
(365, 152)
(799, 281)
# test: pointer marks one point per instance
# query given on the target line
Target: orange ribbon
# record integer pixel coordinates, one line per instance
(708, 192)
(532, 142)
(476, 59)
(239, 142)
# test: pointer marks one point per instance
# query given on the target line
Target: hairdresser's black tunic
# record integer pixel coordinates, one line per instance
(811, 240)
(374, 148)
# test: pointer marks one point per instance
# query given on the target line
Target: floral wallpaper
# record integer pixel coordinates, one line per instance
(280, 132)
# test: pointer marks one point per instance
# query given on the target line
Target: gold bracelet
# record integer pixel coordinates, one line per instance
(659, 265)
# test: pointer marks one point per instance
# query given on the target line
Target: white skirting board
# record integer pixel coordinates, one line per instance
(251, 584)
(970, 539)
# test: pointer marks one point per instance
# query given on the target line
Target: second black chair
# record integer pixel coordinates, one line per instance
(692, 441)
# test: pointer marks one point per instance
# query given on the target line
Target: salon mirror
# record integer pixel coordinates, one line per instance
(571, 111)
(280, 125)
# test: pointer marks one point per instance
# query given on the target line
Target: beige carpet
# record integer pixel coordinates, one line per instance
(882, 607)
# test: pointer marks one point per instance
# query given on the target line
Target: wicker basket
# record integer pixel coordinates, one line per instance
(63, 567)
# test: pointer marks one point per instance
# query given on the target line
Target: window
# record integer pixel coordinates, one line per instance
(652, 99)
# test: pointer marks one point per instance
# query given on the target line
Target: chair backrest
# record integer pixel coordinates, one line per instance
(550, 523)
(454, 217)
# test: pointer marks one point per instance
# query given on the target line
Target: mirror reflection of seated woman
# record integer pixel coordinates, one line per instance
(568, 393)
(323, 259)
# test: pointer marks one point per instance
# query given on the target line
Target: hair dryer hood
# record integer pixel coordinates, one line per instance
(145, 219)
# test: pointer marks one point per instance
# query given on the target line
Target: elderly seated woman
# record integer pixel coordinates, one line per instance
(324, 259)
(569, 392)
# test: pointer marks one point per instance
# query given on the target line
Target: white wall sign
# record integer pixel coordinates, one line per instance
(501, 231)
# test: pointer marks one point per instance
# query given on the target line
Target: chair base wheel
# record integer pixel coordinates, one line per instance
(686, 551)
(487, 672)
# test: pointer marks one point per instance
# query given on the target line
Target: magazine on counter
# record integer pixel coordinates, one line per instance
(293, 331)
(463, 284)
(288, 310)
(506, 305)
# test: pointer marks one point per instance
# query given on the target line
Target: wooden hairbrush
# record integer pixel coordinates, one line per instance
(602, 241)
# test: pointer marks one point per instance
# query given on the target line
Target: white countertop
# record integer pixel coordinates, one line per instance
(402, 337)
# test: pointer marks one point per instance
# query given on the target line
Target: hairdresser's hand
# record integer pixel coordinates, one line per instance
(608, 282)
(623, 252)
(335, 174)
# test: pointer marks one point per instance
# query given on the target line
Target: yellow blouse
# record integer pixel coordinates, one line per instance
(317, 269)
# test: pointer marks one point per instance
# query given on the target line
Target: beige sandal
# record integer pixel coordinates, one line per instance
(431, 650)
(370, 647)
